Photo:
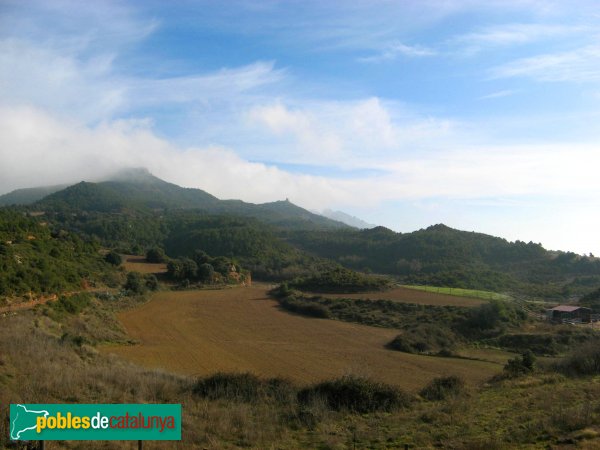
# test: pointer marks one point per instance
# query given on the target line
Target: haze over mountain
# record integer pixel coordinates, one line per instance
(346, 218)
(139, 190)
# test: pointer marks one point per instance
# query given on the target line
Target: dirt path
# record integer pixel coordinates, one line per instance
(241, 329)
(28, 305)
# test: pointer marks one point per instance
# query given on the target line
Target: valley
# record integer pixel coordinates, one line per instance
(276, 328)
(243, 330)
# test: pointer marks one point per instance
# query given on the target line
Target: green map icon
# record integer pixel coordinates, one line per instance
(23, 420)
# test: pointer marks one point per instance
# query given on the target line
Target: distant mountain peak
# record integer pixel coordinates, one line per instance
(341, 216)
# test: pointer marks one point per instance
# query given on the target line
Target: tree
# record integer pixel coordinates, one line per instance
(520, 365)
(201, 257)
(156, 255)
(113, 258)
(151, 282)
(135, 283)
(206, 272)
(189, 269)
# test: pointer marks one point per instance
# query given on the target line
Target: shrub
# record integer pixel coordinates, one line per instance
(491, 319)
(135, 283)
(305, 308)
(442, 388)
(73, 304)
(156, 255)
(583, 361)
(520, 365)
(243, 387)
(151, 282)
(356, 395)
(425, 338)
(560, 340)
(113, 258)
(206, 272)
(341, 280)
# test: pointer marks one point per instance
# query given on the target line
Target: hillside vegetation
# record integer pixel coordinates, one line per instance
(280, 241)
(442, 256)
(35, 259)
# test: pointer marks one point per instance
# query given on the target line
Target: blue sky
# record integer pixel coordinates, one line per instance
(479, 114)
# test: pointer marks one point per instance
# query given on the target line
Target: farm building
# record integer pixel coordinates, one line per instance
(568, 313)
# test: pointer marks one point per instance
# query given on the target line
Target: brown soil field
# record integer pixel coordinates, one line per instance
(134, 263)
(405, 295)
(241, 329)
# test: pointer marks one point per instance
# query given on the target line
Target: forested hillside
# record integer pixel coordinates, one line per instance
(137, 191)
(37, 259)
(279, 241)
(442, 256)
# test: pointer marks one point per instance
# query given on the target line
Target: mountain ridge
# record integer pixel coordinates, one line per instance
(137, 190)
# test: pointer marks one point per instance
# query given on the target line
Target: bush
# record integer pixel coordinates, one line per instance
(156, 255)
(341, 280)
(356, 395)
(243, 387)
(73, 304)
(492, 318)
(206, 272)
(151, 282)
(583, 361)
(442, 388)
(560, 340)
(520, 365)
(305, 308)
(113, 258)
(135, 283)
(425, 338)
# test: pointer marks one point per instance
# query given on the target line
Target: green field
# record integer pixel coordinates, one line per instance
(459, 292)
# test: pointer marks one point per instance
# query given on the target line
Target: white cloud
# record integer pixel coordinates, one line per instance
(36, 148)
(395, 49)
(75, 27)
(349, 134)
(579, 65)
(312, 141)
(515, 34)
(93, 90)
(498, 94)
(36, 75)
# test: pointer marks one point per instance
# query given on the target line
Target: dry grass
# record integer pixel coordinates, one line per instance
(37, 366)
(241, 329)
(405, 295)
(133, 263)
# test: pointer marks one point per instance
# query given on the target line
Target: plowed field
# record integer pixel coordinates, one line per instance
(241, 329)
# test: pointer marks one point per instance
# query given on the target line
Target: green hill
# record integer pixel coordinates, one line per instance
(29, 195)
(442, 256)
(136, 210)
(136, 190)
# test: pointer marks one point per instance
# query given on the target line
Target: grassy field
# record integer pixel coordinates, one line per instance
(470, 293)
(417, 296)
(241, 329)
(134, 263)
